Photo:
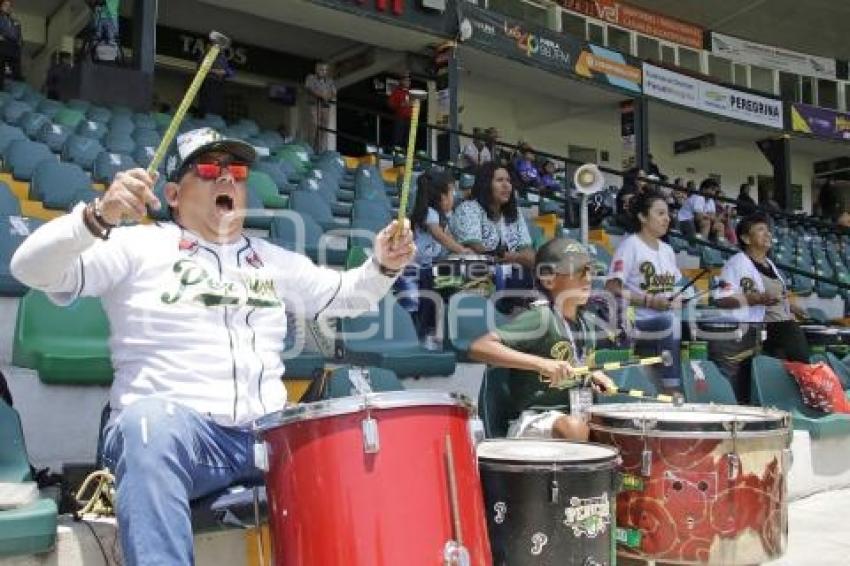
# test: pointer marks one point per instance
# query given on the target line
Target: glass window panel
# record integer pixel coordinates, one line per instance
(761, 79)
(572, 24)
(740, 72)
(619, 39)
(689, 59)
(595, 34)
(827, 93)
(521, 10)
(720, 68)
(647, 48)
(668, 54)
(789, 86)
(807, 96)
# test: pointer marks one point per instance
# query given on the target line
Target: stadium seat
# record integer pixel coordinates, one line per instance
(30, 529)
(841, 369)
(116, 142)
(249, 127)
(144, 136)
(32, 122)
(631, 377)
(339, 383)
(9, 205)
(273, 169)
(702, 382)
(262, 185)
(54, 136)
(468, 317)
(284, 232)
(56, 184)
(42, 342)
(773, 386)
(50, 107)
(311, 204)
(23, 156)
(494, 402)
(144, 121)
(78, 104)
(92, 129)
(376, 211)
(213, 121)
(15, 229)
(14, 111)
(33, 98)
(107, 165)
(82, 151)
(69, 118)
(99, 114)
(17, 89)
(388, 339)
(144, 155)
(8, 134)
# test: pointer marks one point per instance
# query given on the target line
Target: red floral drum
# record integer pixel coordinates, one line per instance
(701, 483)
(386, 478)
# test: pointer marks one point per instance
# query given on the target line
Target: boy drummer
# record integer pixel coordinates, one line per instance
(547, 342)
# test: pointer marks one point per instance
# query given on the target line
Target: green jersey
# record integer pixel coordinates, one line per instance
(541, 331)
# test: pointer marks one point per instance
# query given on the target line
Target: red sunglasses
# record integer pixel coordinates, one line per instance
(211, 170)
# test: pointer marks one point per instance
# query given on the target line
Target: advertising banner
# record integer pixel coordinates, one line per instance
(821, 122)
(712, 98)
(639, 20)
(752, 53)
(558, 53)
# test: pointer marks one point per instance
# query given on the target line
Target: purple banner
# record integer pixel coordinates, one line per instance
(821, 122)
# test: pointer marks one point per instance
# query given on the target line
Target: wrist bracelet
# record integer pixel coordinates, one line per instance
(94, 227)
(98, 214)
(385, 271)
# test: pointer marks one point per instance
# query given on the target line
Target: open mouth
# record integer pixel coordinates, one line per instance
(224, 203)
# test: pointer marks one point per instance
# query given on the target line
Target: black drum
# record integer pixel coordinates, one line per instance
(549, 502)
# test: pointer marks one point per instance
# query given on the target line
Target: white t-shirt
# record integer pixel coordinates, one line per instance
(645, 270)
(709, 206)
(475, 157)
(427, 247)
(738, 275)
(197, 323)
(694, 204)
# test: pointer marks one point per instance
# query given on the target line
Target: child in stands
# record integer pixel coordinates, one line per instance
(429, 219)
(548, 341)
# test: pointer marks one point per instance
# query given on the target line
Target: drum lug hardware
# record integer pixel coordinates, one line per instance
(261, 456)
(455, 554)
(787, 459)
(734, 465)
(476, 430)
(371, 440)
(555, 491)
(646, 462)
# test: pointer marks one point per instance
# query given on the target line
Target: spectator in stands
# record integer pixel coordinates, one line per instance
(11, 40)
(525, 168)
(321, 93)
(752, 286)
(476, 153)
(197, 311)
(652, 168)
(491, 223)
(402, 107)
(59, 77)
(429, 220)
(549, 185)
(844, 219)
(689, 212)
(633, 184)
(643, 275)
(549, 340)
(211, 98)
(498, 155)
(745, 203)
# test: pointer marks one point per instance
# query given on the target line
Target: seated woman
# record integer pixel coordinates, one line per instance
(525, 167)
(643, 274)
(754, 289)
(549, 340)
(429, 220)
(490, 223)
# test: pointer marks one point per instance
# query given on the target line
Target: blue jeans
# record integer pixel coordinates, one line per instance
(164, 455)
(657, 334)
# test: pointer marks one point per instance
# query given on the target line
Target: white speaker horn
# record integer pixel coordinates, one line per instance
(588, 179)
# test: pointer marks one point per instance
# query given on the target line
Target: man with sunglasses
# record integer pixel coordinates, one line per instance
(545, 343)
(197, 313)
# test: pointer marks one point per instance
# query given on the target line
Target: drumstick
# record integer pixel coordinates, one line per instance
(661, 398)
(417, 96)
(455, 506)
(665, 359)
(689, 284)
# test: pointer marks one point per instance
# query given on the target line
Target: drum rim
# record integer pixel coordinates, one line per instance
(355, 404)
(457, 258)
(513, 464)
(775, 421)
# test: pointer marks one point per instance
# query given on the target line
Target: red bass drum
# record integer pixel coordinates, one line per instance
(381, 479)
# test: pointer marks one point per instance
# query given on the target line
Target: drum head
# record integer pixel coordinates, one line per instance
(660, 419)
(356, 404)
(527, 451)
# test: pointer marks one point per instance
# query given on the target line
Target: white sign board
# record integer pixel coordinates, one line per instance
(752, 53)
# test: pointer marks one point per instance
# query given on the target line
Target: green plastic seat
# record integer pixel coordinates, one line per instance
(841, 369)
(468, 317)
(773, 386)
(264, 187)
(605, 355)
(380, 379)
(388, 339)
(356, 257)
(286, 232)
(69, 117)
(632, 377)
(29, 529)
(66, 345)
(708, 385)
